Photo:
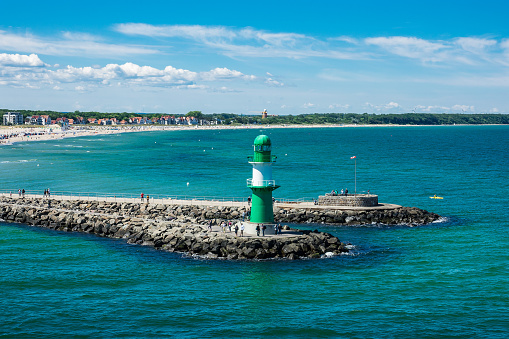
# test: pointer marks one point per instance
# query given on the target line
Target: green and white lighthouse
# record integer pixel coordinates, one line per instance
(261, 184)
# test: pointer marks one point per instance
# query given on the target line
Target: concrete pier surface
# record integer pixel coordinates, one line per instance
(196, 202)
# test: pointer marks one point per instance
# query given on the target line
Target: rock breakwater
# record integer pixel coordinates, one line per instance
(167, 227)
(411, 216)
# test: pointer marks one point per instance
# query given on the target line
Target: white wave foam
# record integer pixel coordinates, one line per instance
(17, 161)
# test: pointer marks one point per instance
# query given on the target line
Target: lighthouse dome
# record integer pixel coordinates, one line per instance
(262, 140)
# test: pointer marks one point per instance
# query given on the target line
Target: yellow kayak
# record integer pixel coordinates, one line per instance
(435, 197)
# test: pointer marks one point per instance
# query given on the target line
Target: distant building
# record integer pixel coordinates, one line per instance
(38, 120)
(136, 120)
(264, 114)
(44, 120)
(13, 118)
(32, 120)
(80, 121)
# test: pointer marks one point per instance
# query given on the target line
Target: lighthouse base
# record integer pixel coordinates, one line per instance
(250, 228)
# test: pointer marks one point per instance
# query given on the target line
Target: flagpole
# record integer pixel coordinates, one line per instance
(355, 177)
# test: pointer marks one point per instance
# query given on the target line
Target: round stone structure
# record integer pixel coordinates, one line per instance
(351, 200)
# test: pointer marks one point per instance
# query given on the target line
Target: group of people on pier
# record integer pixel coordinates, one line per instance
(277, 229)
(21, 193)
(239, 228)
(336, 193)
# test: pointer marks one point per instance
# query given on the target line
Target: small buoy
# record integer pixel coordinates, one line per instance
(203, 150)
(188, 184)
(155, 142)
(37, 165)
(286, 153)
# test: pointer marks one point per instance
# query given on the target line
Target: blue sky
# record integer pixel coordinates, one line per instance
(289, 57)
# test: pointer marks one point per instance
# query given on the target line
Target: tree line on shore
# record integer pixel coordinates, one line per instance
(300, 119)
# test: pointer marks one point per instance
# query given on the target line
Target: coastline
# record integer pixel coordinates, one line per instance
(26, 134)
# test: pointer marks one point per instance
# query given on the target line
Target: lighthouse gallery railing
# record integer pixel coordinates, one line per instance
(261, 183)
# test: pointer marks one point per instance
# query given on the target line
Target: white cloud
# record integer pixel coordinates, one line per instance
(347, 39)
(274, 82)
(193, 86)
(82, 45)
(494, 110)
(186, 31)
(249, 42)
(431, 109)
(389, 107)
(392, 105)
(225, 73)
(79, 88)
(475, 45)
(410, 47)
(308, 105)
(125, 74)
(462, 108)
(20, 60)
(274, 39)
(246, 42)
(224, 89)
(340, 106)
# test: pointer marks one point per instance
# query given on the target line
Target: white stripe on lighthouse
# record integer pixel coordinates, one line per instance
(262, 171)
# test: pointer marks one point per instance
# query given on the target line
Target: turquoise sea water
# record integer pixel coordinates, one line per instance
(447, 279)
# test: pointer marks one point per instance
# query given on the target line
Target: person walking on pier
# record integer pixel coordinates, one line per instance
(242, 229)
(23, 193)
(48, 193)
(275, 229)
(263, 230)
(19, 193)
(258, 230)
(210, 225)
(148, 198)
(236, 229)
(141, 197)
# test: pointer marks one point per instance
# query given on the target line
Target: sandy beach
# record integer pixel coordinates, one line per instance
(12, 134)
